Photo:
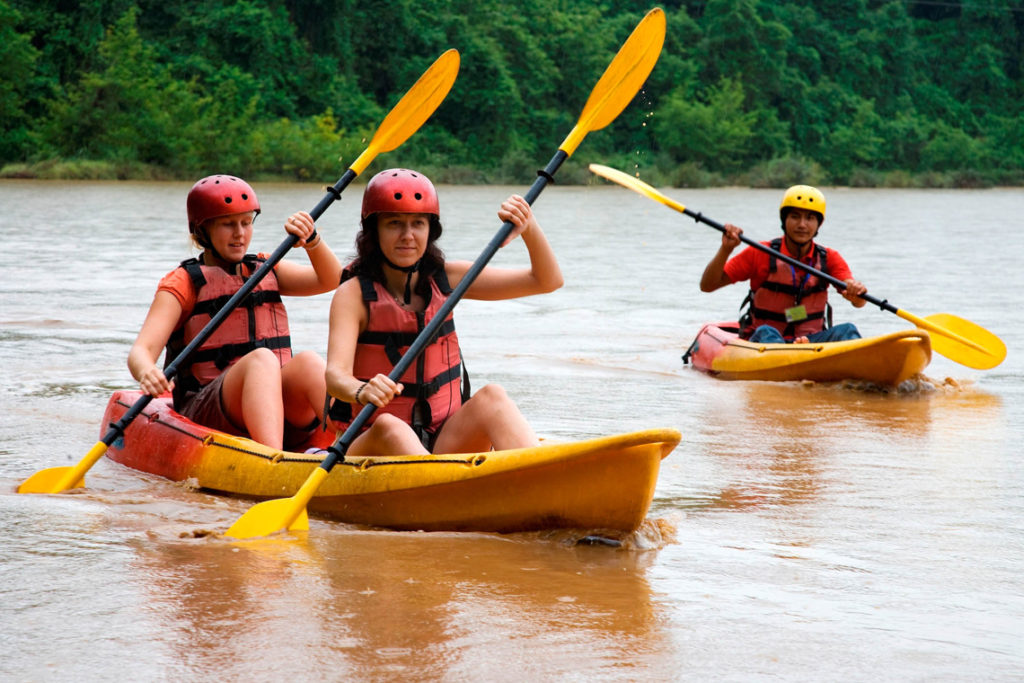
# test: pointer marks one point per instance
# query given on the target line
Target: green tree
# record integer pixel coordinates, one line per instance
(857, 142)
(715, 133)
(951, 149)
(756, 89)
(18, 58)
(129, 110)
(740, 42)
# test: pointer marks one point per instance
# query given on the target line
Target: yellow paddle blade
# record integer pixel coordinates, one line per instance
(961, 340)
(636, 185)
(60, 479)
(622, 79)
(413, 109)
(50, 480)
(271, 516)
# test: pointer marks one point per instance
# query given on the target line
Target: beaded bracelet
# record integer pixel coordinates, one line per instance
(359, 391)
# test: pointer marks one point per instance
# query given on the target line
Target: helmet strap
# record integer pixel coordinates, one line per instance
(219, 260)
(408, 270)
(203, 238)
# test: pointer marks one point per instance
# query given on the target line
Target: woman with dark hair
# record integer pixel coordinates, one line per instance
(396, 285)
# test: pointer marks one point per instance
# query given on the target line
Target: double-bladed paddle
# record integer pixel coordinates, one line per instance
(616, 88)
(955, 338)
(402, 121)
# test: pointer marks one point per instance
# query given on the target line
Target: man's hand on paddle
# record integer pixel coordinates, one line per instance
(854, 290)
(731, 236)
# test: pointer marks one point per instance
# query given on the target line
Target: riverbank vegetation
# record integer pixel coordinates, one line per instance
(748, 92)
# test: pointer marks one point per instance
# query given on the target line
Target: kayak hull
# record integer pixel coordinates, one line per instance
(605, 483)
(885, 360)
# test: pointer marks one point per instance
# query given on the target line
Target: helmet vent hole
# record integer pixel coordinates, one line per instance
(245, 196)
(398, 195)
(419, 196)
(227, 200)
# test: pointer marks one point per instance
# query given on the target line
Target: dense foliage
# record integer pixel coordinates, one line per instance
(763, 92)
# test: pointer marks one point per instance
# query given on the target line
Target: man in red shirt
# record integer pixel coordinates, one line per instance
(787, 304)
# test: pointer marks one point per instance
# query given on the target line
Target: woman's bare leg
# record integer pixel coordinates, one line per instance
(490, 419)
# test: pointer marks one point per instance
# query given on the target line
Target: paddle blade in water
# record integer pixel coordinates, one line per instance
(50, 481)
(60, 479)
(635, 184)
(269, 517)
(984, 350)
(413, 109)
(622, 79)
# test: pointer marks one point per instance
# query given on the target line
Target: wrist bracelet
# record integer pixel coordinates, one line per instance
(359, 391)
(313, 240)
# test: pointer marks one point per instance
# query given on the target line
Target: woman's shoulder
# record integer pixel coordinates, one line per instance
(455, 270)
(350, 289)
(178, 279)
(178, 283)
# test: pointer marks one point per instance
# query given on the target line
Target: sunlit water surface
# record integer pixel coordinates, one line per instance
(798, 532)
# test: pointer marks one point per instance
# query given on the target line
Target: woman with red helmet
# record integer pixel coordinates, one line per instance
(243, 379)
(397, 283)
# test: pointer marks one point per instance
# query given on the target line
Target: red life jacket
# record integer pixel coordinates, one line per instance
(434, 387)
(259, 321)
(785, 288)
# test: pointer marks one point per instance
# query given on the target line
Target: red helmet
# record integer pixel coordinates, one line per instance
(401, 191)
(219, 195)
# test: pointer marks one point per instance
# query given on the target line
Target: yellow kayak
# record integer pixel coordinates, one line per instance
(885, 360)
(604, 483)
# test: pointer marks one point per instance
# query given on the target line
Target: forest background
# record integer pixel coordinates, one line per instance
(764, 93)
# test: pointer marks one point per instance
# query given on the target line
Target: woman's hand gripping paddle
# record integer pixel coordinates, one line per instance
(401, 122)
(955, 338)
(616, 88)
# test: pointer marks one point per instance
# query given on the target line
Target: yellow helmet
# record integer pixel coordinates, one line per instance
(803, 197)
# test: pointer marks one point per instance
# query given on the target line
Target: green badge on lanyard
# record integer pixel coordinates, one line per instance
(796, 314)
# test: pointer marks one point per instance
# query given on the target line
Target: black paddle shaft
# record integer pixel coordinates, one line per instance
(337, 451)
(883, 304)
(333, 194)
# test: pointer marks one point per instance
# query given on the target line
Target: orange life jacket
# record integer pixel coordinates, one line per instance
(435, 386)
(785, 288)
(259, 321)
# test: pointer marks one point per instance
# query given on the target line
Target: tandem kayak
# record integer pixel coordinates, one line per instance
(605, 483)
(885, 360)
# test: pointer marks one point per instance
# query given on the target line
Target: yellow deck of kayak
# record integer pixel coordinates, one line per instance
(603, 483)
(885, 360)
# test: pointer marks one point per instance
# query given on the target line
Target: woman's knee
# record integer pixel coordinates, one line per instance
(389, 427)
(493, 395)
(259, 365)
(307, 361)
(262, 359)
(392, 435)
(305, 372)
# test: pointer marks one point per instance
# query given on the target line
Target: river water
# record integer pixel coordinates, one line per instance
(798, 532)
